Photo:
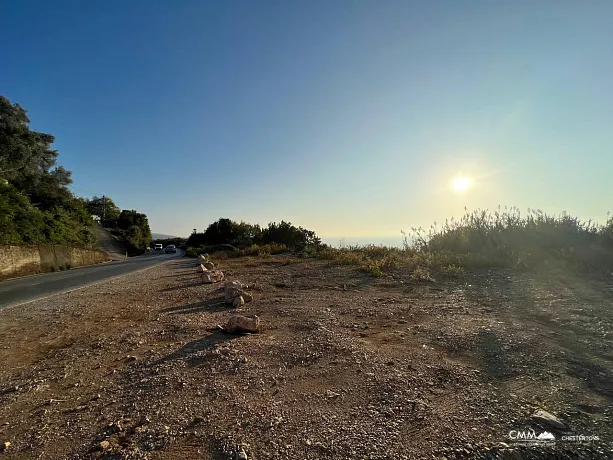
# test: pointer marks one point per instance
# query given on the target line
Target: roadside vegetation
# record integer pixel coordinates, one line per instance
(129, 227)
(36, 205)
(504, 238)
(238, 239)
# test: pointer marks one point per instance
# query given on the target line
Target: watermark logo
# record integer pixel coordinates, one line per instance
(530, 436)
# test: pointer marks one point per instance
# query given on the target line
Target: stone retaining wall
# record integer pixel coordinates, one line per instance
(29, 260)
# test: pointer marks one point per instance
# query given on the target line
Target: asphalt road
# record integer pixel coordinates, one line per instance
(23, 290)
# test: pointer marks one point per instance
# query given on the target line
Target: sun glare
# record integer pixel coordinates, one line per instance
(461, 183)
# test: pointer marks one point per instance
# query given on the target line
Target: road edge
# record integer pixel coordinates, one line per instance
(8, 307)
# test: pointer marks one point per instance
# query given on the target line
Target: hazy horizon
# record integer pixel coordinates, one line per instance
(349, 119)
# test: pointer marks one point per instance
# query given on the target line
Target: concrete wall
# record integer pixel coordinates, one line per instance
(29, 260)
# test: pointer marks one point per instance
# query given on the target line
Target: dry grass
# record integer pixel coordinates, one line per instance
(482, 239)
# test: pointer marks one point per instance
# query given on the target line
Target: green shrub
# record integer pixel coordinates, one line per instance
(373, 268)
(193, 252)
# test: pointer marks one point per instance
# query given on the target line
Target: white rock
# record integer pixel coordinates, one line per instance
(212, 276)
(239, 323)
(548, 418)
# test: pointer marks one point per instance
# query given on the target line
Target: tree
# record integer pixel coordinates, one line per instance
(289, 235)
(226, 231)
(36, 205)
(105, 208)
(137, 233)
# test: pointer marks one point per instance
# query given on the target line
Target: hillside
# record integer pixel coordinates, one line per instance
(106, 242)
(163, 236)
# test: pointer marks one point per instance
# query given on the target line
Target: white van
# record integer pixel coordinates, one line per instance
(158, 247)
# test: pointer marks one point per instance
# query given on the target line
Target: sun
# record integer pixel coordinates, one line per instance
(461, 183)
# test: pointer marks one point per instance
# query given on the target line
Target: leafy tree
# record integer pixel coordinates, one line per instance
(36, 205)
(226, 231)
(105, 208)
(23, 153)
(20, 222)
(289, 235)
(137, 233)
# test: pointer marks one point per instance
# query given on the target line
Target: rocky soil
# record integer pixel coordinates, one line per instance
(346, 366)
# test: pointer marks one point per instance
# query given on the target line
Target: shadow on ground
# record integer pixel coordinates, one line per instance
(192, 352)
(191, 263)
(216, 304)
(183, 286)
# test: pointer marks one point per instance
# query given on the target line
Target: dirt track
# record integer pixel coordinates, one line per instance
(346, 366)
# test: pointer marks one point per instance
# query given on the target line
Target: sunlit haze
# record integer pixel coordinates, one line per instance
(351, 119)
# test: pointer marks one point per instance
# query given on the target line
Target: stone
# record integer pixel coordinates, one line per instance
(239, 324)
(5, 445)
(233, 290)
(104, 445)
(241, 455)
(238, 302)
(234, 284)
(212, 276)
(542, 416)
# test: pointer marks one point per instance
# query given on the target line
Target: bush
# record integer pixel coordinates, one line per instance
(244, 235)
(193, 252)
(486, 240)
(506, 238)
(264, 250)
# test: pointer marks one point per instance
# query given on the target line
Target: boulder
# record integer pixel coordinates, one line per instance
(233, 290)
(547, 418)
(212, 276)
(238, 324)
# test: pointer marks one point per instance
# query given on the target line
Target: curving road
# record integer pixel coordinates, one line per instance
(24, 290)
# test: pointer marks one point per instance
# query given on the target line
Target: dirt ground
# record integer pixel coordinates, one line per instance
(346, 366)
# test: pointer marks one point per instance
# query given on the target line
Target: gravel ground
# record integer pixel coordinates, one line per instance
(346, 366)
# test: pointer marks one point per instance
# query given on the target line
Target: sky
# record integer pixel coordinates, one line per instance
(349, 118)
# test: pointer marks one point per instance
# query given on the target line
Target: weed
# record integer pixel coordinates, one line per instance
(373, 268)
(452, 271)
(421, 274)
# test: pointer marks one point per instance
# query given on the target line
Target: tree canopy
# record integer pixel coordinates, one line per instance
(36, 205)
(104, 208)
(226, 231)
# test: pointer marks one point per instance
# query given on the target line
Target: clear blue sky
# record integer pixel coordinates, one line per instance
(350, 118)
